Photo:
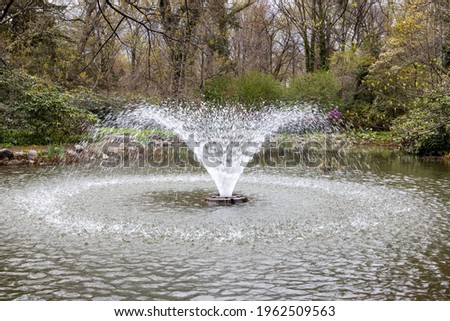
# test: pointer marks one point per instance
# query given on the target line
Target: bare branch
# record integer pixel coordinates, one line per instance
(125, 15)
(5, 10)
(104, 44)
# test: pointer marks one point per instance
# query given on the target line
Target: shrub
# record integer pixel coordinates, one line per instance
(35, 112)
(251, 89)
(255, 87)
(350, 67)
(219, 89)
(363, 115)
(319, 87)
(425, 128)
(49, 116)
(97, 104)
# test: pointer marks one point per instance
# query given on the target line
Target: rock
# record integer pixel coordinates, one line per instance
(19, 155)
(6, 154)
(115, 150)
(32, 154)
(79, 148)
(71, 153)
(15, 162)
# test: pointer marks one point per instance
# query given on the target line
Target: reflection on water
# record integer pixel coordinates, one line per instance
(379, 231)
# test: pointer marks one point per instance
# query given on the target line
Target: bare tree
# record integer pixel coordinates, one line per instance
(315, 21)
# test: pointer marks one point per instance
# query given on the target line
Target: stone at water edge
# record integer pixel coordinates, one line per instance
(79, 148)
(19, 155)
(6, 154)
(32, 154)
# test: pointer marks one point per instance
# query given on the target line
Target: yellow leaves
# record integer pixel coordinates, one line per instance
(411, 23)
(404, 68)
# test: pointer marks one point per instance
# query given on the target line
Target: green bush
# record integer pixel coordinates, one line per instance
(319, 87)
(219, 89)
(256, 87)
(425, 128)
(97, 104)
(363, 115)
(251, 89)
(35, 112)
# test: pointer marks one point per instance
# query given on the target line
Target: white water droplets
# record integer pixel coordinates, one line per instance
(223, 138)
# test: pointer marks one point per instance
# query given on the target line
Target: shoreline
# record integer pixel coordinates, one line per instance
(114, 145)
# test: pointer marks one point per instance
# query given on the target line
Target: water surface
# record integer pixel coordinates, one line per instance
(379, 232)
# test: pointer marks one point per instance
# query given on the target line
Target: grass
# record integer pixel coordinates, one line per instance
(142, 135)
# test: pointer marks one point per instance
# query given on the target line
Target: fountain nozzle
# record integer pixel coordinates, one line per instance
(216, 199)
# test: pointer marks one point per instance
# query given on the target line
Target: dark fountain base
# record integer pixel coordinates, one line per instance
(216, 199)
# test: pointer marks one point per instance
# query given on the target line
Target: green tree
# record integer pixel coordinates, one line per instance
(410, 62)
(33, 41)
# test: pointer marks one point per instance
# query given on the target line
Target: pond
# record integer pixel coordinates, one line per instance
(376, 231)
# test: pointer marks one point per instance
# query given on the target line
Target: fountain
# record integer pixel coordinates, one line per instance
(225, 138)
(375, 232)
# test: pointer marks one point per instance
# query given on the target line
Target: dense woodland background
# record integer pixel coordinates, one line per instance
(384, 64)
